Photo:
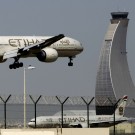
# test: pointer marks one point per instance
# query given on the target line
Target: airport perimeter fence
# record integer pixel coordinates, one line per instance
(12, 108)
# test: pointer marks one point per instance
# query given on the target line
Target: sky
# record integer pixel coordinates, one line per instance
(84, 20)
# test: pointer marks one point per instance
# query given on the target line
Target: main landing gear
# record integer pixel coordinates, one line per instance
(16, 64)
(70, 61)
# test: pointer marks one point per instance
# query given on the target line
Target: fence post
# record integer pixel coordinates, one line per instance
(87, 104)
(35, 108)
(114, 107)
(62, 103)
(5, 110)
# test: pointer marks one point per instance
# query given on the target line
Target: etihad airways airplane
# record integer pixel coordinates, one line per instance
(81, 120)
(46, 49)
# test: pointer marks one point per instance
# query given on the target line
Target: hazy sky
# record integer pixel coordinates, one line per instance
(84, 20)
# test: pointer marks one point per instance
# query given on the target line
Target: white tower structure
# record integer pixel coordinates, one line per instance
(113, 76)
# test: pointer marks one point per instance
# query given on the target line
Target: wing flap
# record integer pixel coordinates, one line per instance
(10, 54)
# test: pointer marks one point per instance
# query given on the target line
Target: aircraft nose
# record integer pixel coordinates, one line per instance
(81, 47)
(29, 124)
(78, 45)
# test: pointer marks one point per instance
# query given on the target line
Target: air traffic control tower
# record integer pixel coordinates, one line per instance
(113, 79)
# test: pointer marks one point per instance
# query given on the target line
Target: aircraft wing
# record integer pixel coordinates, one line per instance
(110, 121)
(40, 45)
(95, 123)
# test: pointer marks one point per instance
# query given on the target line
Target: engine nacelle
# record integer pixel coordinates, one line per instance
(78, 125)
(47, 55)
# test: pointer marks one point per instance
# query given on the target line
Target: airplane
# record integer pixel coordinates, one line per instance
(80, 121)
(45, 48)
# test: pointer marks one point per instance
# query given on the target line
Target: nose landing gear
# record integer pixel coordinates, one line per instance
(70, 62)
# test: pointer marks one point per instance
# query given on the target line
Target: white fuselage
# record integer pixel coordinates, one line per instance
(65, 47)
(44, 121)
(79, 117)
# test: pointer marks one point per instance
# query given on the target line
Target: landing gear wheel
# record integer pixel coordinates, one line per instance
(16, 65)
(70, 64)
(11, 66)
(21, 64)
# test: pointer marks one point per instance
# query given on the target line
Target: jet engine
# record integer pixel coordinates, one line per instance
(78, 125)
(47, 55)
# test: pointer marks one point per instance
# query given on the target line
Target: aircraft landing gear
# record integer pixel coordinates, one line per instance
(70, 62)
(16, 64)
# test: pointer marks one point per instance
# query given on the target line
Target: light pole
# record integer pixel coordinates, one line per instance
(24, 96)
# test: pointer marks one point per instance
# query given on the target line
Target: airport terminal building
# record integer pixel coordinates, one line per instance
(113, 77)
